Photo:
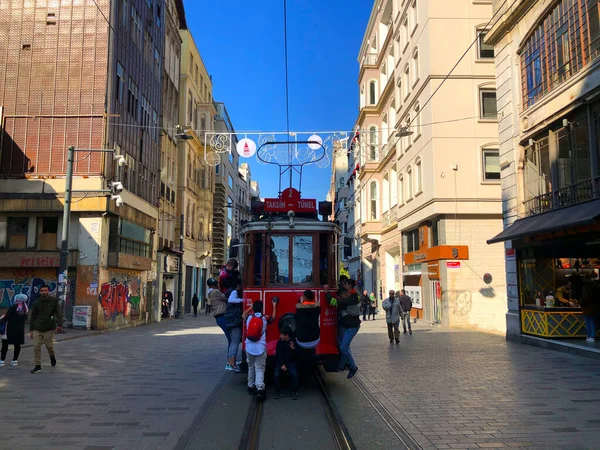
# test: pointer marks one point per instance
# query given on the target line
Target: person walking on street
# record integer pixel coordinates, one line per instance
(15, 328)
(364, 304)
(372, 306)
(234, 323)
(406, 305)
(393, 312)
(195, 304)
(46, 319)
(349, 306)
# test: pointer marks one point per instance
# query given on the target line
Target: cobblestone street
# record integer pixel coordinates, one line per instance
(141, 388)
(454, 389)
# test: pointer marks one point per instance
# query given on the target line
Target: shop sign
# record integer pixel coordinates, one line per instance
(433, 270)
(420, 256)
(437, 253)
(453, 264)
(510, 254)
(171, 263)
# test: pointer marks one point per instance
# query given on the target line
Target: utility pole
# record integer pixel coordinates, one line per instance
(179, 312)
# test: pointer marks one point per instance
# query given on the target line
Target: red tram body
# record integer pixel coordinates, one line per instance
(285, 254)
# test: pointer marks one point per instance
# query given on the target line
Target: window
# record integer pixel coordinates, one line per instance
(373, 144)
(393, 186)
(302, 258)
(156, 63)
(279, 269)
(120, 82)
(406, 81)
(193, 221)
(372, 93)
(374, 198)
(385, 194)
(230, 181)
(230, 208)
(491, 165)
(405, 35)
(17, 228)
(190, 108)
(145, 112)
(417, 123)
(158, 16)
(413, 16)
(409, 183)
(203, 122)
(401, 190)
(484, 51)
(487, 104)
(136, 27)
(133, 99)
(415, 66)
(229, 233)
(124, 13)
(154, 125)
(419, 176)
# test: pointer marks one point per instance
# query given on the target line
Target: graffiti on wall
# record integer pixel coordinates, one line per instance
(121, 298)
(24, 281)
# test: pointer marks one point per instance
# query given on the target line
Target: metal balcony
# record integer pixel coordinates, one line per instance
(568, 196)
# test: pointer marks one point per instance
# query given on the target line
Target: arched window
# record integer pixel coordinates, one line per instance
(187, 219)
(384, 129)
(373, 143)
(374, 198)
(193, 221)
(415, 66)
(372, 93)
(393, 186)
(401, 190)
(203, 122)
(201, 231)
(418, 176)
(385, 194)
(189, 174)
(409, 181)
(417, 123)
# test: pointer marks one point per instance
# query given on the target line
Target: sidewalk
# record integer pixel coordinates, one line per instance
(469, 390)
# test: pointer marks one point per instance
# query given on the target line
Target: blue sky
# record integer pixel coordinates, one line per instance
(241, 43)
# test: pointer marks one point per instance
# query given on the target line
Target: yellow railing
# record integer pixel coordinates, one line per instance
(554, 324)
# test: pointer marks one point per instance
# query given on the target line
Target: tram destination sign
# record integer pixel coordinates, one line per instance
(290, 201)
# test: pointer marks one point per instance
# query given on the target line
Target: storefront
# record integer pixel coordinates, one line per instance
(558, 260)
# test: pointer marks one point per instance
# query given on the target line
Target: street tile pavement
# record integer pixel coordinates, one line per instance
(453, 389)
(138, 388)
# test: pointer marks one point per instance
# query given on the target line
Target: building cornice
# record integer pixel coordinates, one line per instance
(370, 24)
(509, 18)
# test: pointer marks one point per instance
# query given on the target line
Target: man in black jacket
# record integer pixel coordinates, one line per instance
(308, 311)
(406, 304)
(46, 319)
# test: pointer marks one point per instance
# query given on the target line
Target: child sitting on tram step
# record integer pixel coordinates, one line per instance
(286, 363)
(256, 346)
(308, 312)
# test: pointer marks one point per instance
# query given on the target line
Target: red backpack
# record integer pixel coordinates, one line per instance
(255, 328)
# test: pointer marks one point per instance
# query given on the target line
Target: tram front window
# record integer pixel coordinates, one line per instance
(258, 260)
(302, 271)
(280, 260)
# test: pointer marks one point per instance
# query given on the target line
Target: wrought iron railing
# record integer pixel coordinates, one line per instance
(568, 196)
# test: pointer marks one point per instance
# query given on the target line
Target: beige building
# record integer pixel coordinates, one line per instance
(195, 179)
(548, 76)
(429, 171)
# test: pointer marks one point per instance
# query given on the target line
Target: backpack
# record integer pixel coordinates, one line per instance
(255, 328)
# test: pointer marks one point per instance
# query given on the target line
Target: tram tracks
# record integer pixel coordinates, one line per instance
(254, 422)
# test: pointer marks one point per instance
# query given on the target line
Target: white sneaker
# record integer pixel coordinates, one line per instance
(590, 339)
(1, 363)
(14, 363)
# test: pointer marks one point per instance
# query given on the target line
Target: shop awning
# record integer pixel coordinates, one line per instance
(560, 219)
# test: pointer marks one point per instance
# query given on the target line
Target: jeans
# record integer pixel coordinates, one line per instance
(292, 371)
(5, 351)
(236, 337)
(406, 321)
(365, 311)
(39, 338)
(221, 323)
(590, 325)
(394, 331)
(372, 310)
(256, 370)
(346, 358)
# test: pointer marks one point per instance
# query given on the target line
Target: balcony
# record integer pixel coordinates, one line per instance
(569, 196)
(390, 217)
(370, 59)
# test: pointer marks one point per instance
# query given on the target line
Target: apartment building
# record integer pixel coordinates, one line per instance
(338, 196)
(548, 77)
(168, 254)
(86, 75)
(428, 164)
(195, 179)
(225, 199)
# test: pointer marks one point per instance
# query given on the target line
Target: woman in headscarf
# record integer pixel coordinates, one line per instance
(15, 328)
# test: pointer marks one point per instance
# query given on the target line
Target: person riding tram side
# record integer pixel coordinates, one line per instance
(308, 312)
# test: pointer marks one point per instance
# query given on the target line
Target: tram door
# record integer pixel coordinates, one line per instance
(436, 297)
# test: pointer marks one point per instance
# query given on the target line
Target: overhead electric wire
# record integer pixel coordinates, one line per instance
(287, 87)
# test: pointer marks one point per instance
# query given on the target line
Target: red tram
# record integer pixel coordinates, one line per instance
(286, 251)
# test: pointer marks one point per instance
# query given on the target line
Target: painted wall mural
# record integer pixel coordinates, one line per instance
(25, 281)
(121, 297)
